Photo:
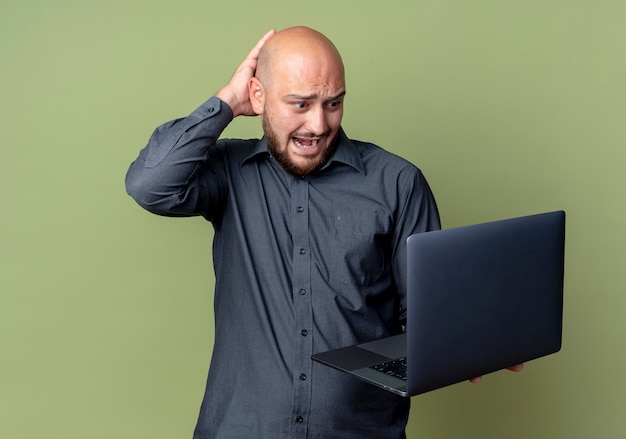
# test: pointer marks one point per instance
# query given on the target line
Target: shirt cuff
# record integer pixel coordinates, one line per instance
(213, 107)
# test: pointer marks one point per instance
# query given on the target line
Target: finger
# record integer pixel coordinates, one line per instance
(254, 52)
(475, 379)
(516, 368)
(248, 66)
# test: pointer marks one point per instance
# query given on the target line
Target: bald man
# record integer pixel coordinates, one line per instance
(309, 246)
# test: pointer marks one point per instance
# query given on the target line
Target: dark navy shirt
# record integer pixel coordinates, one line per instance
(302, 265)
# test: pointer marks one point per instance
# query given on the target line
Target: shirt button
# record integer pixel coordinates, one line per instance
(211, 109)
(303, 377)
(302, 291)
(299, 419)
(300, 209)
(305, 332)
(302, 251)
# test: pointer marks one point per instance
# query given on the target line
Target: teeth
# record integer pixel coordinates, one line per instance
(303, 146)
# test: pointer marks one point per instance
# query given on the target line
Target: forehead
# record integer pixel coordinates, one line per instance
(304, 75)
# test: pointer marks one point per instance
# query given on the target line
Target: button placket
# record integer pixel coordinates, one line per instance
(303, 314)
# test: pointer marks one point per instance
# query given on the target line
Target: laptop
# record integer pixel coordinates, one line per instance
(480, 298)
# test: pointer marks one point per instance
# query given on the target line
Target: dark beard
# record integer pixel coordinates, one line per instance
(286, 163)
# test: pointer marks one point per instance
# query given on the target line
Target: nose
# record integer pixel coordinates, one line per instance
(316, 121)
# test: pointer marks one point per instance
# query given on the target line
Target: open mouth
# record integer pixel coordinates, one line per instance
(307, 145)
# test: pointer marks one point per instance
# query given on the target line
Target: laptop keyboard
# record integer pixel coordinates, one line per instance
(395, 368)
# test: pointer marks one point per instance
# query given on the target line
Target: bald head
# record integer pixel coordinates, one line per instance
(295, 48)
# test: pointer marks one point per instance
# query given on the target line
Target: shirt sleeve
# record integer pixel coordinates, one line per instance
(419, 213)
(163, 179)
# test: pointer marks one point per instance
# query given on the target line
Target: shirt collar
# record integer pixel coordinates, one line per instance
(346, 153)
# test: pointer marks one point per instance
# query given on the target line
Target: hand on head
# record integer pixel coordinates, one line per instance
(235, 93)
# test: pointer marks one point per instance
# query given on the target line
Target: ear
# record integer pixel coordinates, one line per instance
(256, 94)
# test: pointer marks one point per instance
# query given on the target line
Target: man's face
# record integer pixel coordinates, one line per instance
(302, 114)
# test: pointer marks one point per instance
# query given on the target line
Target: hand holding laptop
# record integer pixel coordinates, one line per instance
(516, 368)
(479, 297)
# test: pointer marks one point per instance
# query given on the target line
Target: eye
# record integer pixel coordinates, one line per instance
(334, 104)
(300, 105)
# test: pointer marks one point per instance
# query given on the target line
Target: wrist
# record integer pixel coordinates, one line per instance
(229, 99)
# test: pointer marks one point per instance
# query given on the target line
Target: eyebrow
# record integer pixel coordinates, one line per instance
(313, 96)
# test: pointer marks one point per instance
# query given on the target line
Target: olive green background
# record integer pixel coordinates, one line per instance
(509, 108)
